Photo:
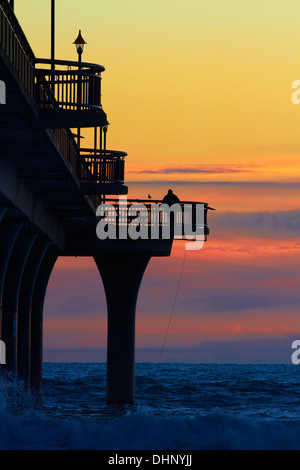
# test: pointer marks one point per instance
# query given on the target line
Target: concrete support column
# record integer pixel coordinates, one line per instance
(9, 230)
(121, 276)
(14, 272)
(37, 307)
(24, 312)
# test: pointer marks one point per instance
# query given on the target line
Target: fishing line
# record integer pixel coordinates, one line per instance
(172, 311)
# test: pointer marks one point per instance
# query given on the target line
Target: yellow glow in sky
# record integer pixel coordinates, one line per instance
(188, 83)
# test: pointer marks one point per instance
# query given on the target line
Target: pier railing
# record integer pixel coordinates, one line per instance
(68, 95)
(102, 166)
(66, 143)
(157, 219)
(73, 85)
(91, 167)
(15, 46)
(60, 84)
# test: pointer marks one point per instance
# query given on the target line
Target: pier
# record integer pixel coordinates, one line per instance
(50, 188)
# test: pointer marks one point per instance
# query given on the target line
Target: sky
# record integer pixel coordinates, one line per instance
(199, 95)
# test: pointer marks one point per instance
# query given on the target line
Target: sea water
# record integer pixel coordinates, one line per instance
(177, 407)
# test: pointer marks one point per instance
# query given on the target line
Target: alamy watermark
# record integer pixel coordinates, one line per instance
(152, 221)
(296, 94)
(2, 353)
(296, 354)
(2, 92)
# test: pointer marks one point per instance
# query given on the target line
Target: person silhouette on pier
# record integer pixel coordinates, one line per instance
(170, 198)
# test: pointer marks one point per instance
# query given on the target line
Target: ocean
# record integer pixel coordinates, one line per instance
(178, 407)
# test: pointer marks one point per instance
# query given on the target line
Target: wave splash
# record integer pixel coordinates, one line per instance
(140, 431)
(25, 425)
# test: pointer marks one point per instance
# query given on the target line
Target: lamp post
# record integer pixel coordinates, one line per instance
(104, 131)
(79, 44)
(52, 33)
(52, 46)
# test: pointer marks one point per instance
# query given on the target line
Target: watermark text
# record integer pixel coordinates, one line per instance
(296, 354)
(152, 221)
(296, 94)
(2, 353)
(2, 92)
(138, 461)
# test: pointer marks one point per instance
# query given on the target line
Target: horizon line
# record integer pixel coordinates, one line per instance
(192, 182)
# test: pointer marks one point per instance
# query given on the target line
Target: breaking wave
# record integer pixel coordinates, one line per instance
(215, 431)
(24, 425)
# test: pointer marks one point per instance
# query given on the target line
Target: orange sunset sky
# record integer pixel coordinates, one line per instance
(198, 94)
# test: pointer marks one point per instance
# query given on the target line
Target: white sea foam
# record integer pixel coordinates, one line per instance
(141, 431)
(22, 426)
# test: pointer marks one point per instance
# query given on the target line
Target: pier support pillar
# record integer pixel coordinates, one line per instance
(24, 312)
(11, 290)
(37, 308)
(121, 276)
(9, 230)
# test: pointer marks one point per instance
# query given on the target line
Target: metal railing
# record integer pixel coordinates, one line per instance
(76, 87)
(102, 166)
(66, 143)
(16, 47)
(62, 85)
(92, 166)
(180, 223)
(105, 167)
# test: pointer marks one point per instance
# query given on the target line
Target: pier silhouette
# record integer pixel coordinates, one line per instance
(50, 188)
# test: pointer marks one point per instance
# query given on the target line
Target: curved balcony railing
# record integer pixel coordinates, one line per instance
(94, 169)
(67, 95)
(70, 93)
(99, 168)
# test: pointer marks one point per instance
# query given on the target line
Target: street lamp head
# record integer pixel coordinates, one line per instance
(79, 43)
